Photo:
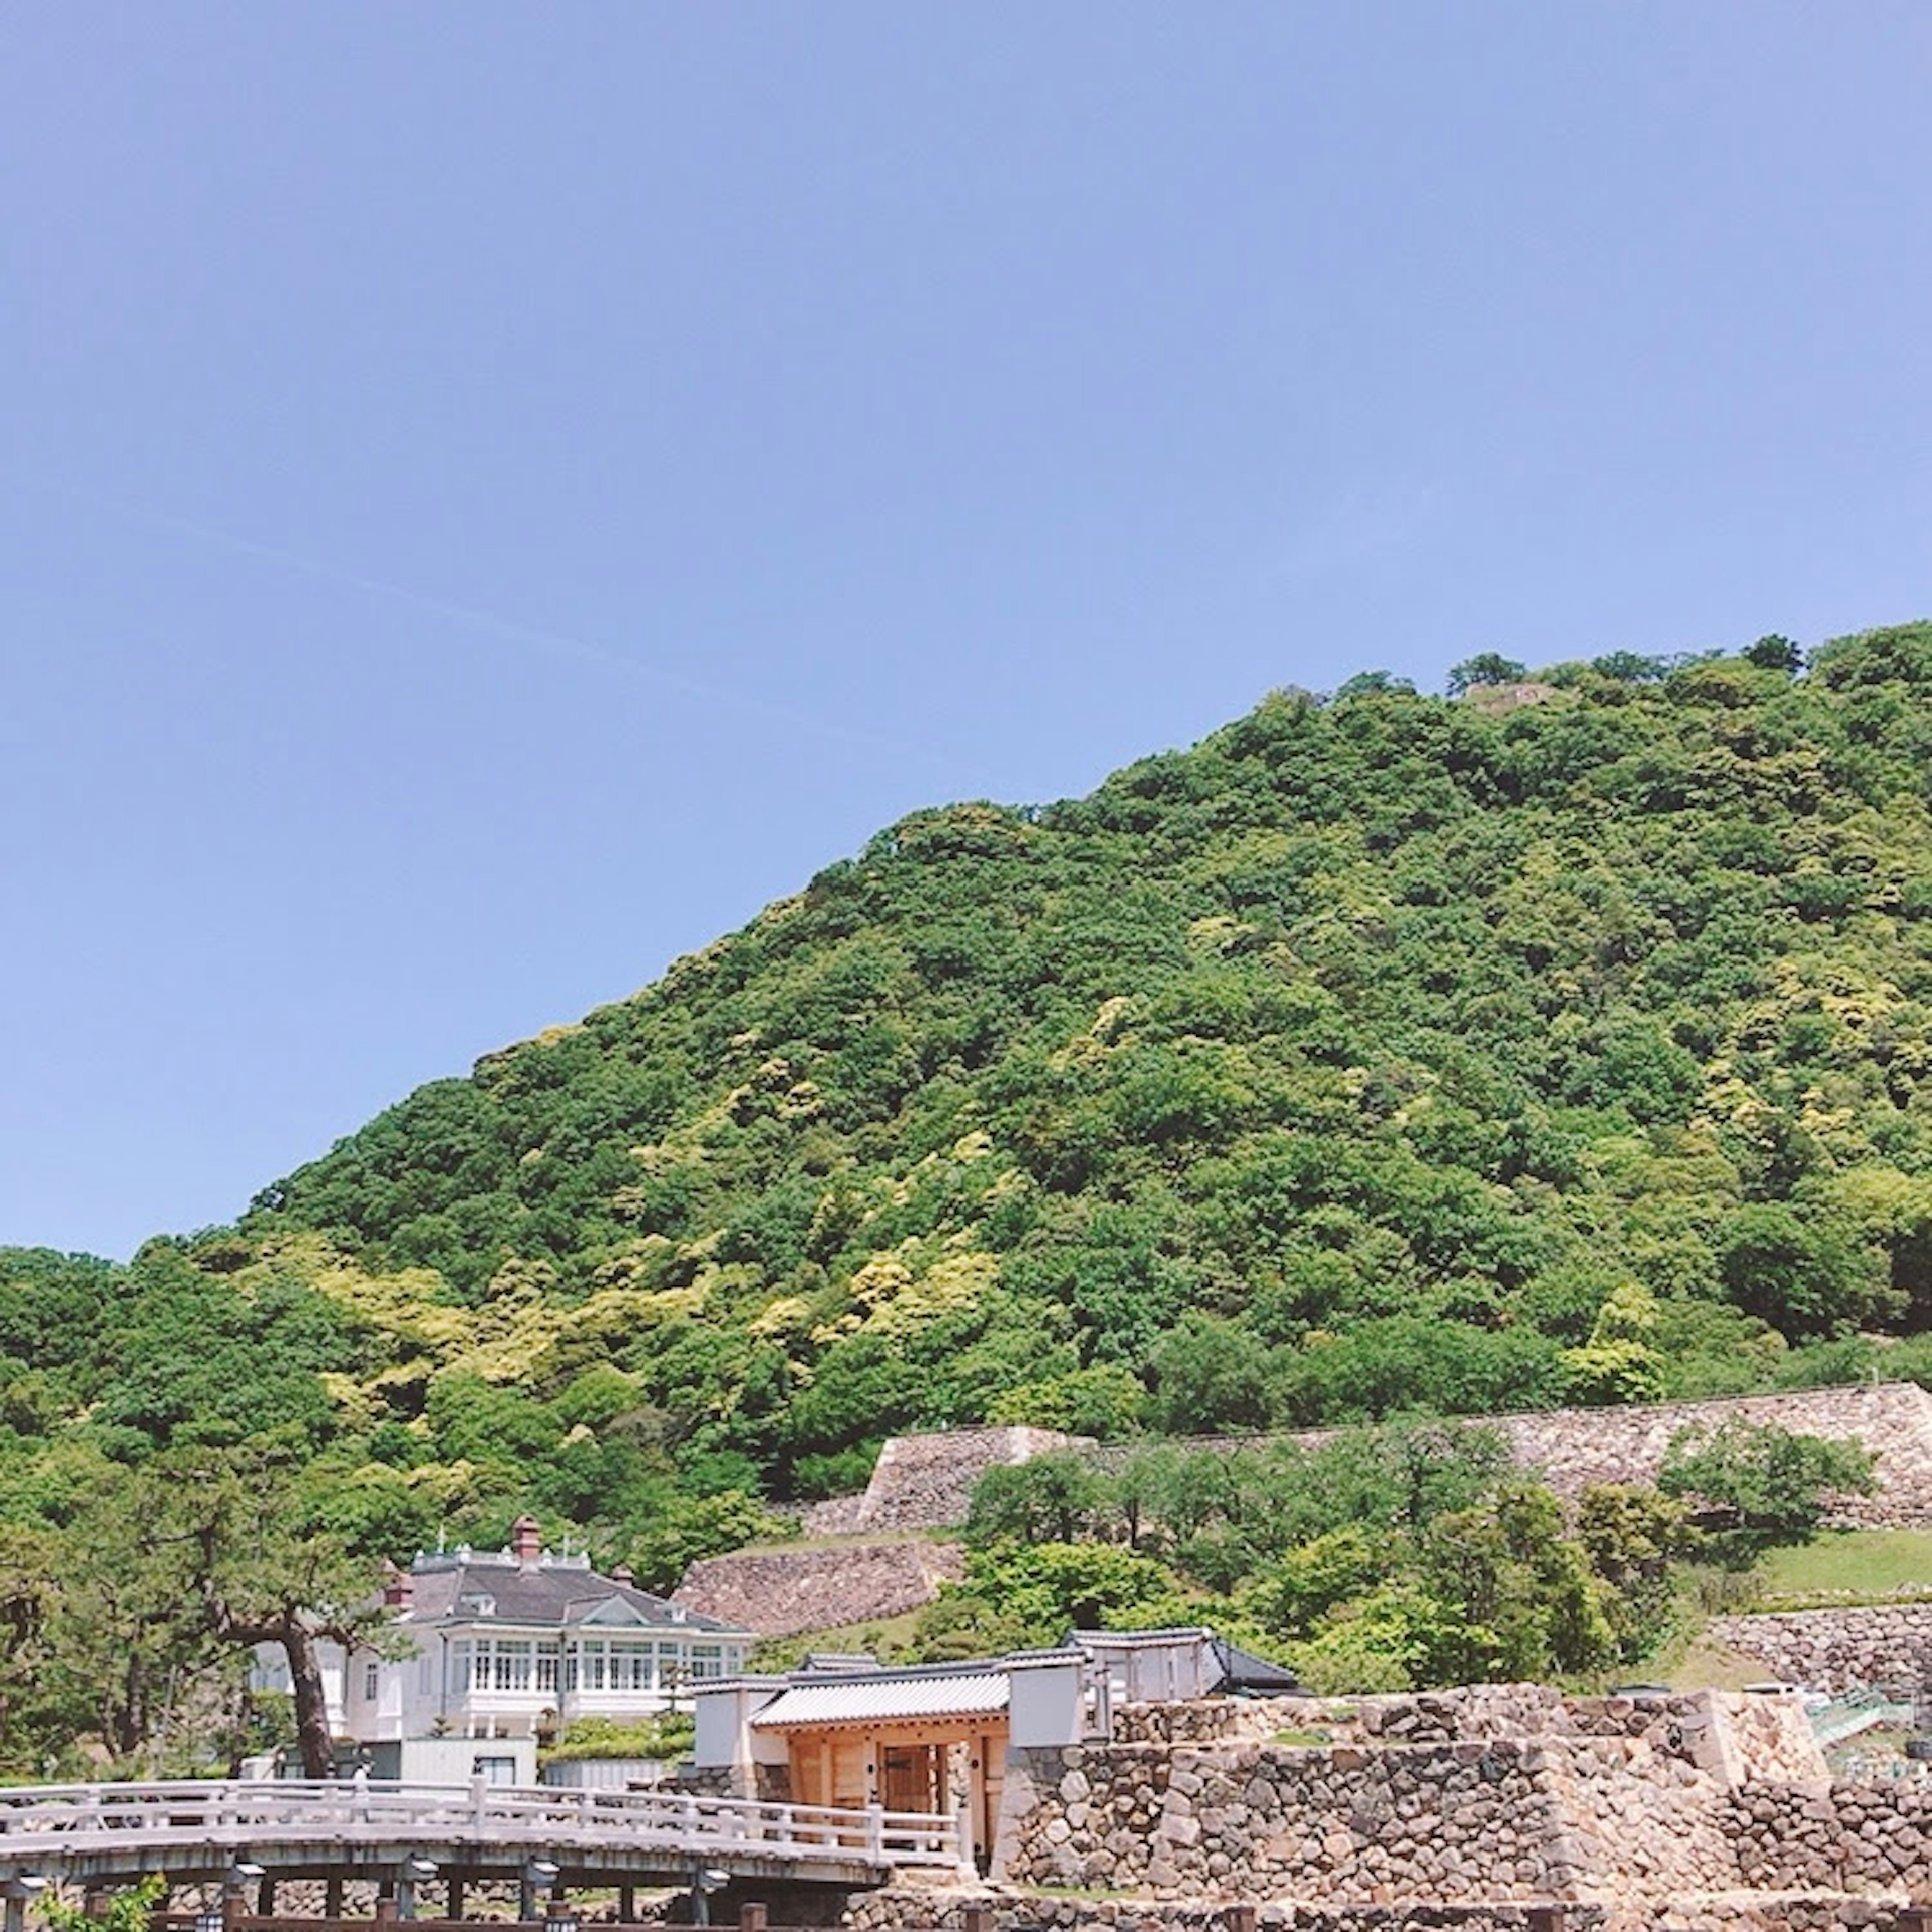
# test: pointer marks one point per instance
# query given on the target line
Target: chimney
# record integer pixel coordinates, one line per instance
(399, 1589)
(623, 1573)
(526, 1542)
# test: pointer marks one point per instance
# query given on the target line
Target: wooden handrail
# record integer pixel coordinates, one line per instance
(257, 1811)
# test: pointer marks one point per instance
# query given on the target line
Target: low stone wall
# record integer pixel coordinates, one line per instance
(1850, 1838)
(905, 1910)
(909, 1910)
(1495, 1821)
(1837, 1650)
(1733, 1735)
(784, 1592)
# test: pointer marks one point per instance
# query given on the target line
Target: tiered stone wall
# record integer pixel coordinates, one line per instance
(925, 1482)
(783, 1592)
(1837, 1650)
(1498, 1792)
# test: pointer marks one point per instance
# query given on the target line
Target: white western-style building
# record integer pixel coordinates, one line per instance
(506, 1647)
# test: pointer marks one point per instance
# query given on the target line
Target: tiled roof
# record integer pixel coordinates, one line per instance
(560, 1596)
(883, 1699)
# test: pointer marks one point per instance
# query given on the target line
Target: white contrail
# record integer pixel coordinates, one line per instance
(509, 627)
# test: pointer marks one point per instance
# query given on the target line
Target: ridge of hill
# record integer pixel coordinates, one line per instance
(1570, 1041)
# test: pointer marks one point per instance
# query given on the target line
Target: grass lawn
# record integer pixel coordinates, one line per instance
(1848, 1565)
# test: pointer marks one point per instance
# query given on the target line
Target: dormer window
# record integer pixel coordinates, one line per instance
(475, 1603)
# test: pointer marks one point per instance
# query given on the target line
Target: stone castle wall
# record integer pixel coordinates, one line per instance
(784, 1592)
(1500, 1793)
(926, 1481)
(905, 1910)
(1837, 1650)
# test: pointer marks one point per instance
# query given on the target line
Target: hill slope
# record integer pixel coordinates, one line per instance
(1572, 1040)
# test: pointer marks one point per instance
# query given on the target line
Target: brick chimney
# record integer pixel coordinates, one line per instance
(399, 1588)
(526, 1542)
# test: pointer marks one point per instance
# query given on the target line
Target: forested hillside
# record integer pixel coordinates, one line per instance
(1567, 1039)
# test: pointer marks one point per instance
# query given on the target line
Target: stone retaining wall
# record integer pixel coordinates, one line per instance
(925, 1482)
(1735, 1736)
(1851, 1837)
(907, 1910)
(1837, 1650)
(1515, 1819)
(784, 1592)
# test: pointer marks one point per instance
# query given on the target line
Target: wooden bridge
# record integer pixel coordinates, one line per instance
(199, 1831)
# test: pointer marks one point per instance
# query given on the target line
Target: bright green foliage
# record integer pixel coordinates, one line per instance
(667, 1736)
(1567, 1040)
(1621, 1361)
(129, 1908)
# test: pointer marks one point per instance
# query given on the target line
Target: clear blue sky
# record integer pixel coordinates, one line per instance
(492, 495)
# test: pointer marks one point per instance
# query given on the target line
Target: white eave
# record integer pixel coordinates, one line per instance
(887, 1700)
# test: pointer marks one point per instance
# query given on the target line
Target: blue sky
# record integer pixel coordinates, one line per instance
(493, 495)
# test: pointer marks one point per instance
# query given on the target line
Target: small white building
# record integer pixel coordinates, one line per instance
(510, 1646)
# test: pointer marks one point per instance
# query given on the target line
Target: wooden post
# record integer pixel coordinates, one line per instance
(234, 1909)
(265, 1896)
(1914, 1918)
(1547, 1918)
(454, 1908)
(94, 1901)
(977, 1919)
(752, 1917)
(968, 1863)
(385, 1911)
(627, 1904)
(331, 1896)
(1239, 1918)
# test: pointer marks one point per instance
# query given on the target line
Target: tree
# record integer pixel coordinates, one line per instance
(1620, 1362)
(246, 1541)
(1485, 667)
(1056, 1497)
(1764, 1485)
(1633, 1537)
(1807, 1273)
(1773, 652)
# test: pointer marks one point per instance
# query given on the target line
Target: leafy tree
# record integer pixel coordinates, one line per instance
(1056, 1498)
(1763, 1485)
(1485, 667)
(1773, 652)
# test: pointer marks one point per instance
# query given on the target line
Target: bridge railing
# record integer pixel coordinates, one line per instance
(73, 1817)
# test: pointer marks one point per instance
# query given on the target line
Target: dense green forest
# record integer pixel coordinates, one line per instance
(1568, 1039)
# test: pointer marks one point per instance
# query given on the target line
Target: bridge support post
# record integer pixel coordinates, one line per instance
(454, 1908)
(265, 1896)
(331, 1896)
(962, 1844)
(627, 1905)
(17, 1890)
